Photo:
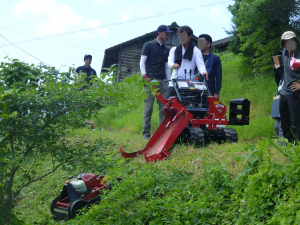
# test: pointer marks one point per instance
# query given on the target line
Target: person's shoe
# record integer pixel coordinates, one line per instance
(146, 137)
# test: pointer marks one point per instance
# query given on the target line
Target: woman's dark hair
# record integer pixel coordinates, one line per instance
(206, 37)
(187, 29)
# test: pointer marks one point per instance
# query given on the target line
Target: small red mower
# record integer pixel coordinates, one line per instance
(77, 194)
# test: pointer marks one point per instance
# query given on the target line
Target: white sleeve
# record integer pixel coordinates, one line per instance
(199, 60)
(171, 57)
(143, 64)
(168, 71)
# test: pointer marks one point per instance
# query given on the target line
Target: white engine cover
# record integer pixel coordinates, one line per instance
(79, 186)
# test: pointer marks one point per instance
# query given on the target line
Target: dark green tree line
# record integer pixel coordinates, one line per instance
(258, 26)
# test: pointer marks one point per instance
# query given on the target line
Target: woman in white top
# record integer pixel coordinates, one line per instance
(184, 58)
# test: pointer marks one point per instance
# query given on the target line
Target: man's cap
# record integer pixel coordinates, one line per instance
(163, 28)
(87, 55)
(288, 36)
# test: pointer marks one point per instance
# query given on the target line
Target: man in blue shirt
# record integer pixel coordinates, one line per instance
(213, 65)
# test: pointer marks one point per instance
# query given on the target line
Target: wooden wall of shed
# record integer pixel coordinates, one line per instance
(130, 60)
(130, 56)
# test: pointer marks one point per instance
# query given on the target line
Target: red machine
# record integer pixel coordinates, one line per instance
(193, 115)
(77, 194)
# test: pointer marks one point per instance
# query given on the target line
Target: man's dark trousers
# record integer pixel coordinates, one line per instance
(289, 107)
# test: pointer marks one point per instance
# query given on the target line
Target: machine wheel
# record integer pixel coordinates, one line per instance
(196, 136)
(183, 137)
(230, 135)
(76, 205)
(53, 203)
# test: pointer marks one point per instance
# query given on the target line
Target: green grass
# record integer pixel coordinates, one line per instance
(209, 179)
(238, 82)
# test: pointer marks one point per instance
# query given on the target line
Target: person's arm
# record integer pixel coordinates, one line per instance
(218, 73)
(144, 55)
(168, 71)
(143, 64)
(171, 57)
(200, 63)
(277, 76)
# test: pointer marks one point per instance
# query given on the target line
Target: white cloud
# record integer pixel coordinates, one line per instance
(93, 23)
(33, 6)
(99, 31)
(216, 14)
(125, 17)
(59, 16)
(128, 12)
(101, 2)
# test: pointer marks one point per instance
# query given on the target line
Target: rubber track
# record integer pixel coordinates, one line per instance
(230, 135)
(196, 136)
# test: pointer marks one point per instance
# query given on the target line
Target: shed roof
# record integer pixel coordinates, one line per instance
(111, 55)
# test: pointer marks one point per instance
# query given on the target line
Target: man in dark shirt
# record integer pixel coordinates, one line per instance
(89, 71)
(86, 68)
(289, 104)
(154, 66)
(213, 65)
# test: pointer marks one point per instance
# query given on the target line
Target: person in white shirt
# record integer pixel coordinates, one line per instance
(184, 58)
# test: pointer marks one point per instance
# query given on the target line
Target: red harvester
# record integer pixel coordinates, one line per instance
(193, 115)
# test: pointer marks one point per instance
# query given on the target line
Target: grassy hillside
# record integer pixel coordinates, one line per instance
(238, 82)
(249, 182)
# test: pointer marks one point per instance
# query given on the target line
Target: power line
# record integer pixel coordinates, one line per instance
(25, 51)
(118, 23)
(49, 41)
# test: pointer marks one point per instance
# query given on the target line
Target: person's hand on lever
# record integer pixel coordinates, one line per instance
(217, 96)
(175, 66)
(205, 74)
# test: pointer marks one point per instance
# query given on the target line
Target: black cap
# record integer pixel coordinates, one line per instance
(164, 28)
(87, 55)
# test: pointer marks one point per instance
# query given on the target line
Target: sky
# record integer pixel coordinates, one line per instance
(61, 32)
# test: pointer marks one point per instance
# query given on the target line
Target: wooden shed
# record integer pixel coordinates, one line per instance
(127, 54)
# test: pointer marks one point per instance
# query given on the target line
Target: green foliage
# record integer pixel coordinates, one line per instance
(258, 26)
(238, 82)
(38, 108)
(149, 194)
(254, 181)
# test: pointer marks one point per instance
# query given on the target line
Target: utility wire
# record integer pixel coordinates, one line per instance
(129, 21)
(49, 41)
(25, 51)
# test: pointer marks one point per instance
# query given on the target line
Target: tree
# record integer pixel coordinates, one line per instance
(38, 107)
(258, 26)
